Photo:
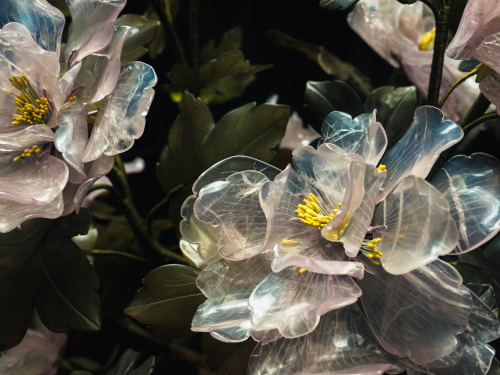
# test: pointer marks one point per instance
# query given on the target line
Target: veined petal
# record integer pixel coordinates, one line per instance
(92, 27)
(18, 49)
(419, 148)
(190, 252)
(418, 314)
(341, 344)
(363, 135)
(19, 139)
(34, 181)
(99, 72)
(319, 256)
(292, 302)
(121, 120)
(418, 226)
(65, 85)
(17, 213)
(233, 205)
(44, 22)
(72, 136)
(472, 187)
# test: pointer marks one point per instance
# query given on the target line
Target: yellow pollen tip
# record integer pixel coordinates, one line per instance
(17, 158)
(427, 41)
(312, 197)
(72, 99)
(288, 242)
(381, 168)
(302, 270)
(376, 262)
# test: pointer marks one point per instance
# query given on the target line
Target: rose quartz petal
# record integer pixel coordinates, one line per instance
(92, 27)
(415, 153)
(63, 88)
(342, 344)
(16, 140)
(100, 72)
(74, 194)
(121, 120)
(417, 225)
(490, 87)
(319, 256)
(417, 314)
(190, 252)
(17, 213)
(20, 50)
(44, 22)
(33, 181)
(472, 187)
(233, 205)
(296, 135)
(292, 302)
(363, 135)
(71, 138)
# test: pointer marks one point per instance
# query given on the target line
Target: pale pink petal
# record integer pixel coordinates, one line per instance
(292, 302)
(296, 135)
(121, 120)
(17, 213)
(44, 22)
(363, 135)
(233, 206)
(190, 252)
(341, 344)
(415, 153)
(418, 226)
(417, 314)
(472, 187)
(92, 27)
(16, 140)
(33, 180)
(63, 88)
(490, 87)
(71, 138)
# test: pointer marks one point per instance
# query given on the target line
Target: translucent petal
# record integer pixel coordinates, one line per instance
(490, 87)
(65, 85)
(366, 183)
(92, 26)
(419, 148)
(296, 135)
(363, 135)
(44, 22)
(292, 302)
(319, 256)
(74, 194)
(237, 333)
(33, 181)
(190, 252)
(121, 120)
(18, 140)
(342, 344)
(233, 205)
(417, 314)
(18, 49)
(472, 187)
(16, 213)
(71, 137)
(204, 236)
(418, 226)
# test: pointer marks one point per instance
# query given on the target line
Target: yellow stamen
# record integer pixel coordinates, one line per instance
(288, 242)
(427, 42)
(72, 99)
(381, 168)
(302, 270)
(31, 108)
(27, 153)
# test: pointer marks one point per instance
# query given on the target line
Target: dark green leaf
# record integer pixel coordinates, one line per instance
(127, 362)
(231, 41)
(395, 109)
(168, 301)
(134, 47)
(227, 358)
(159, 41)
(43, 268)
(61, 5)
(468, 65)
(337, 4)
(195, 142)
(324, 97)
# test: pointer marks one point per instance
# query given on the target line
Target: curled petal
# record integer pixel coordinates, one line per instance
(121, 120)
(319, 256)
(44, 22)
(363, 135)
(472, 187)
(190, 252)
(418, 226)
(233, 205)
(18, 213)
(71, 137)
(419, 148)
(17, 141)
(341, 344)
(292, 302)
(65, 85)
(418, 314)
(92, 27)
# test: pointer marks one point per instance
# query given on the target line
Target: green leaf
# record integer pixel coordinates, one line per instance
(43, 269)
(133, 48)
(324, 97)
(395, 109)
(168, 301)
(227, 358)
(231, 41)
(483, 72)
(196, 142)
(127, 363)
(61, 5)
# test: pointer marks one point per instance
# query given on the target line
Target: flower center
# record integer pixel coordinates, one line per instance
(311, 213)
(28, 152)
(427, 42)
(31, 108)
(369, 249)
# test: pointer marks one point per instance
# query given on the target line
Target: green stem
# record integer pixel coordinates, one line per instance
(194, 13)
(126, 203)
(162, 203)
(118, 253)
(487, 116)
(167, 21)
(456, 84)
(477, 109)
